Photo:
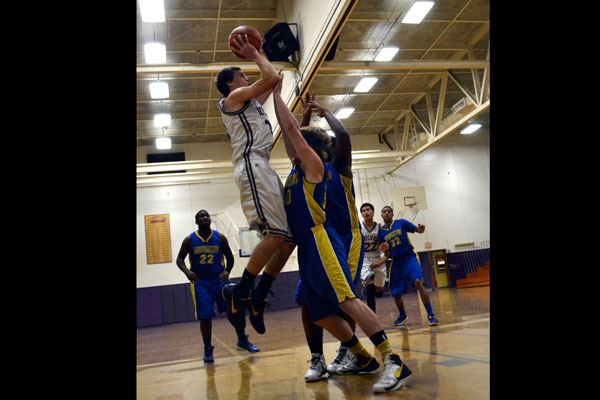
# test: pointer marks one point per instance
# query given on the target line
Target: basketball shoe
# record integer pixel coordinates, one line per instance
(244, 344)
(433, 320)
(394, 375)
(208, 354)
(317, 369)
(353, 367)
(235, 307)
(401, 320)
(343, 357)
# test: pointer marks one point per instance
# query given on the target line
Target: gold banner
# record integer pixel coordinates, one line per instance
(158, 239)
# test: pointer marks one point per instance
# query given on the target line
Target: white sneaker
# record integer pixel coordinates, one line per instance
(344, 355)
(352, 367)
(317, 370)
(394, 375)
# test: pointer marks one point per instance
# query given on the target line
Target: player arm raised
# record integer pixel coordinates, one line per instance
(343, 145)
(289, 148)
(263, 86)
(183, 252)
(313, 166)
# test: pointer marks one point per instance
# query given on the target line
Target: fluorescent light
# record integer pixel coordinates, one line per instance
(156, 53)
(330, 133)
(470, 129)
(365, 84)
(344, 112)
(152, 10)
(163, 143)
(386, 54)
(417, 12)
(162, 120)
(159, 90)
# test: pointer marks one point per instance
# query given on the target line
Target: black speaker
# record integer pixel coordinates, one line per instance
(280, 42)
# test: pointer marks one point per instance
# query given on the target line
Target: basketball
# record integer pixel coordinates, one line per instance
(254, 37)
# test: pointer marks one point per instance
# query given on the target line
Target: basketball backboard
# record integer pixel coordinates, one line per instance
(249, 239)
(405, 197)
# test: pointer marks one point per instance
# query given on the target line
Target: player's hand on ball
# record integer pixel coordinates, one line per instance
(243, 47)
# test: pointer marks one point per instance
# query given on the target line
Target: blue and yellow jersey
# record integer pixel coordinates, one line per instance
(395, 235)
(304, 203)
(206, 256)
(341, 206)
(341, 213)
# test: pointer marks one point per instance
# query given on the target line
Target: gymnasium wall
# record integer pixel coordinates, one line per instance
(456, 177)
(454, 172)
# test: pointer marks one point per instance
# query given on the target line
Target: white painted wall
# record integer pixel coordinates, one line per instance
(456, 177)
(455, 173)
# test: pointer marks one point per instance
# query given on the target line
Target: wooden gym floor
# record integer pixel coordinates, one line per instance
(450, 361)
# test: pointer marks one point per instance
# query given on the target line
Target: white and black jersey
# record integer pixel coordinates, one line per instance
(250, 132)
(261, 189)
(370, 242)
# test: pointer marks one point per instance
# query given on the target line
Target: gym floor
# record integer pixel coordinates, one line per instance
(450, 361)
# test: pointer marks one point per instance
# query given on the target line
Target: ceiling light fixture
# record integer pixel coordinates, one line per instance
(155, 53)
(470, 128)
(344, 112)
(163, 143)
(162, 120)
(417, 12)
(152, 10)
(386, 54)
(365, 84)
(159, 90)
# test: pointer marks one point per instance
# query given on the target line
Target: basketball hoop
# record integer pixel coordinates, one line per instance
(414, 209)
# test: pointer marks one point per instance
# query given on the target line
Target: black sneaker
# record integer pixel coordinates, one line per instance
(245, 344)
(208, 354)
(256, 315)
(234, 306)
(233, 302)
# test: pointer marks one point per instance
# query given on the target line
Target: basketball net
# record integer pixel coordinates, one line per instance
(413, 210)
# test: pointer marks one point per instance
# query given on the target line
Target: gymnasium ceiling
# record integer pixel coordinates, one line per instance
(445, 53)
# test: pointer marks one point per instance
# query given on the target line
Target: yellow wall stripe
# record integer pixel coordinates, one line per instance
(332, 266)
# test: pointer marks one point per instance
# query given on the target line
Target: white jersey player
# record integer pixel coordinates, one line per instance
(373, 279)
(261, 189)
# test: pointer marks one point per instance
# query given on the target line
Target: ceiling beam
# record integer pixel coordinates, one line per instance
(389, 16)
(209, 68)
(476, 81)
(440, 105)
(401, 65)
(445, 133)
(219, 14)
(463, 89)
